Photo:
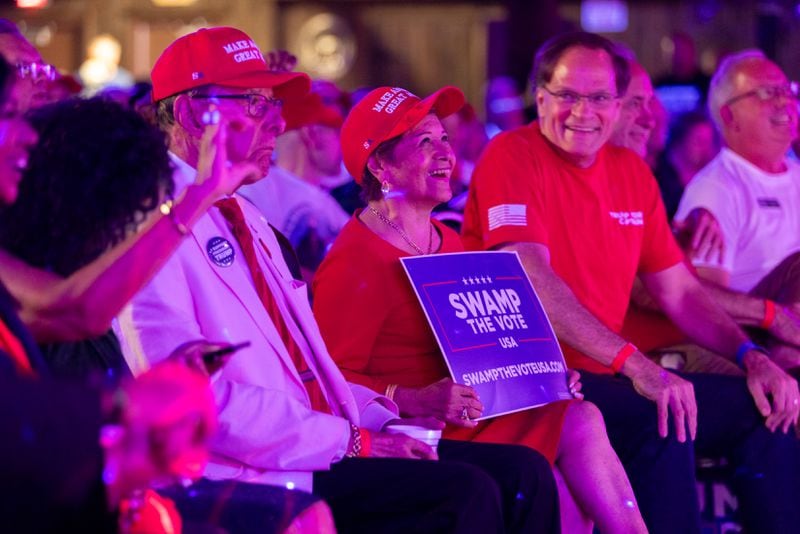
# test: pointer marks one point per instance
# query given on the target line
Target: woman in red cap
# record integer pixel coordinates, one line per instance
(394, 145)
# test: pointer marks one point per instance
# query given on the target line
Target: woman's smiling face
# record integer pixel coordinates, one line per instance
(420, 164)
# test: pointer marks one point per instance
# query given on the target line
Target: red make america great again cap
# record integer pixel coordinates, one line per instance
(221, 56)
(387, 112)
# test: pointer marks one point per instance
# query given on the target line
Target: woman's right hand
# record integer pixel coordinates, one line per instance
(444, 400)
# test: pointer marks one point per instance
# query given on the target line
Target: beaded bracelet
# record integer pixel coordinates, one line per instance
(361, 442)
(355, 442)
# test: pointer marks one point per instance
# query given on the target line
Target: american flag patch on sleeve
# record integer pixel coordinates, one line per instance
(507, 215)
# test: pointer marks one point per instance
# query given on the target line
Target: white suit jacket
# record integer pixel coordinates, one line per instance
(267, 430)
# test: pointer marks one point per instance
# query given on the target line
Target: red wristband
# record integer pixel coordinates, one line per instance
(769, 314)
(366, 443)
(622, 356)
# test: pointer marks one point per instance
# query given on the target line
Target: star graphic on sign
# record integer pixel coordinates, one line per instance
(488, 279)
(471, 280)
(464, 280)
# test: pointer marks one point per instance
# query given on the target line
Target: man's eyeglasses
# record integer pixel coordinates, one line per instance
(570, 98)
(37, 72)
(257, 105)
(767, 93)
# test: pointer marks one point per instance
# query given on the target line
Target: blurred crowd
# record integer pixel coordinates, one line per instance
(205, 327)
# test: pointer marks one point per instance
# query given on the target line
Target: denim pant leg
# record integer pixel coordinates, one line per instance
(661, 470)
(766, 465)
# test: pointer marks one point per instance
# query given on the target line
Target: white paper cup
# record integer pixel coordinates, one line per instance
(425, 435)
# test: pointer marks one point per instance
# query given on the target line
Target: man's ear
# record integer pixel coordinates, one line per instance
(538, 97)
(375, 166)
(726, 115)
(185, 116)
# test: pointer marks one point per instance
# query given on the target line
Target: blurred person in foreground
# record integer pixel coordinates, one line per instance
(287, 416)
(72, 269)
(586, 218)
(74, 456)
(69, 212)
(365, 306)
(94, 221)
(82, 144)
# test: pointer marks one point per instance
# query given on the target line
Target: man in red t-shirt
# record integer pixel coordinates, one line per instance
(586, 218)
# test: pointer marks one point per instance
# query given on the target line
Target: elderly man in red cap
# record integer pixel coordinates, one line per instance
(286, 415)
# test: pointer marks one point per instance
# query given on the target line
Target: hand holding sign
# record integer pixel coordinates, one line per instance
(444, 400)
(574, 383)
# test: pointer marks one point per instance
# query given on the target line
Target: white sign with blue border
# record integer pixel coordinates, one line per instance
(491, 328)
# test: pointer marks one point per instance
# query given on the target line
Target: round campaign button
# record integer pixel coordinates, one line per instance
(220, 251)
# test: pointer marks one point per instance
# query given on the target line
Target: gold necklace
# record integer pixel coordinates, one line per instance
(404, 235)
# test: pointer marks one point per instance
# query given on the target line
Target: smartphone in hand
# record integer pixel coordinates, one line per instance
(215, 359)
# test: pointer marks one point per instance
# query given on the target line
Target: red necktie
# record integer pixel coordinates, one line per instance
(232, 212)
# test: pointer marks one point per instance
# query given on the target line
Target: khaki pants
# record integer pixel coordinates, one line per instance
(782, 285)
(691, 358)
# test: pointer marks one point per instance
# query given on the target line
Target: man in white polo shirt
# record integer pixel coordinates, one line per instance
(753, 191)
